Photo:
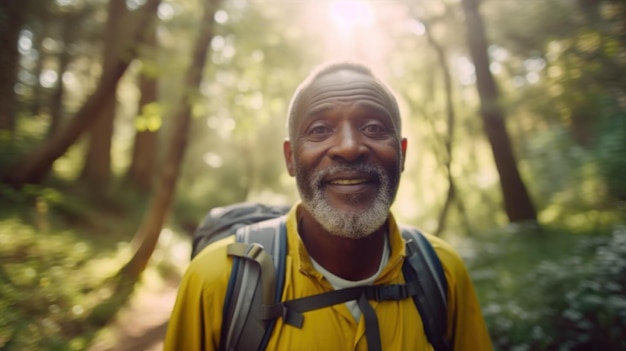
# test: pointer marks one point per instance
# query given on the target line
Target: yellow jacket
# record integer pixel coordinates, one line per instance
(197, 316)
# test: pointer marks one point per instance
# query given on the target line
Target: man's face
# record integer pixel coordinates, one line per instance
(346, 153)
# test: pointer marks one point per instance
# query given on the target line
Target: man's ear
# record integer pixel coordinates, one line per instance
(403, 150)
(288, 153)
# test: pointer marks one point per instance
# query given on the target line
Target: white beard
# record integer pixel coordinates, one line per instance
(351, 224)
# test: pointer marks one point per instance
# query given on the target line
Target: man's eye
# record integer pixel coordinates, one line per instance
(318, 130)
(373, 128)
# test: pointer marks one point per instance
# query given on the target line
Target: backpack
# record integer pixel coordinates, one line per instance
(253, 298)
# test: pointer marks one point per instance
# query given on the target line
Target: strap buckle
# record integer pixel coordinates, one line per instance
(291, 317)
(253, 251)
(388, 292)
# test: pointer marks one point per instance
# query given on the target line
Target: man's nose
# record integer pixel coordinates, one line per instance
(348, 145)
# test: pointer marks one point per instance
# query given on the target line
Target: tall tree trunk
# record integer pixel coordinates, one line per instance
(141, 171)
(39, 93)
(148, 234)
(35, 166)
(447, 81)
(56, 100)
(97, 165)
(517, 203)
(12, 17)
(69, 34)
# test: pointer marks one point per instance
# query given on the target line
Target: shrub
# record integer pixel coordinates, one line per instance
(572, 298)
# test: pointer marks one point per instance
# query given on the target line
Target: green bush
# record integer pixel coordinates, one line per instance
(41, 283)
(562, 293)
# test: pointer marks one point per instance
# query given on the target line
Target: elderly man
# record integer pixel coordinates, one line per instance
(346, 152)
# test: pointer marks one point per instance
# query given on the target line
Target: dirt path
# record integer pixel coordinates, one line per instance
(141, 325)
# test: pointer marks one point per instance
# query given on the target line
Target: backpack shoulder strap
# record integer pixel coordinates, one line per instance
(423, 266)
(256, 279)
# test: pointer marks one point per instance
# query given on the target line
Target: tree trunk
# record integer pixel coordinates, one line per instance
(69, 36)
(517, 203)
(148, 234)
(447, 81)
(56, 100)
(39, 93)
(12, 17)
(141, 171)
(37, 165)
(97, 166)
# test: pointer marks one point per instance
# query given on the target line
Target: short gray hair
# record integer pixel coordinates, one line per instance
(332, 68)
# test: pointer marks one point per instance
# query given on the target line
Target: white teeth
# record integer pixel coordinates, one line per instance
(347, 181)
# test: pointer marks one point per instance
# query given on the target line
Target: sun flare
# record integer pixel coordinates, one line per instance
(351, 15)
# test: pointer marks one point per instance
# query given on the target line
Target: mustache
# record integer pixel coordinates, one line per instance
(317, 178)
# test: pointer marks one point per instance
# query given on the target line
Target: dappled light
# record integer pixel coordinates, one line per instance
(122, 123)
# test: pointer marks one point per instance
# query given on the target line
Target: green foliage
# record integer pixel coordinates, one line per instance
(554, 290)
(610, 152)
(30, 132)
(577, 185)
(237, 135)
(58, 255)
(150, 118)
(42, 284)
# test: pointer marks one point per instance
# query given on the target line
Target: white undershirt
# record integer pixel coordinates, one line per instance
(340, 283)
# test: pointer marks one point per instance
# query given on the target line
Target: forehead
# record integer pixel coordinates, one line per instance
(345, 87)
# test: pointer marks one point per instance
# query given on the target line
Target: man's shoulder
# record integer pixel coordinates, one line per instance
(440, 245)
(450, 258)
(212, 265)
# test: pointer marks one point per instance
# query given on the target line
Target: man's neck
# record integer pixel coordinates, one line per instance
(350, 259)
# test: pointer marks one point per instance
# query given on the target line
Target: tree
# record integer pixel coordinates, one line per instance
(12, 17)
(69, 35)
(149, 231)
(97, 165)
(141, 171)
(517, 202)
(35, 166)
(448, 138)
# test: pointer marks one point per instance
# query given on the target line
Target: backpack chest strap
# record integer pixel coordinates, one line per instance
(291, 311)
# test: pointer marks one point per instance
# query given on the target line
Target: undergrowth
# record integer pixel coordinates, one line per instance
(554, 290)
(47, 284)
(60, 255)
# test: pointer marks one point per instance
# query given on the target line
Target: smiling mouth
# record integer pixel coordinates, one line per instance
(348, 181)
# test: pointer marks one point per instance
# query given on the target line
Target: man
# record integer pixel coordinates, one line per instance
(346, 152)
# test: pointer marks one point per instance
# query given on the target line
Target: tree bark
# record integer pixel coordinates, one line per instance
(39, 93)
(12, 17)
(97, 165)
(71, 21)
(450, 114)
(56, 100)
(148, 234)
(517, 202)
(35, 166)
(141, 171)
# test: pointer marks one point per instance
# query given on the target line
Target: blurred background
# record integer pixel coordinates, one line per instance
(123, 122)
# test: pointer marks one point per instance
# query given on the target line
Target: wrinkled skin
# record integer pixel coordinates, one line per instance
(346, 153)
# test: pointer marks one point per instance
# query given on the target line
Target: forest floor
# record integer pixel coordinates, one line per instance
(141, 325)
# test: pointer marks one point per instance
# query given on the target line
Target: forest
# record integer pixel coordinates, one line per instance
(123, 122)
